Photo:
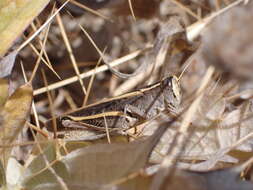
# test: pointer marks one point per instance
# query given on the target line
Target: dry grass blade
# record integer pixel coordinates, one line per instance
(89, 73)
(36, 128)
(36, 65)
(51, 105)
(160, 50)
(131, 9)
(107, 131)
(43, 45)
(182, 136)
(69, 99)
(90, 10)
(41, 28)
(71, 55)
(44, 61)
(91, 81)
(196, 29)
(114, 71)
(189, 11)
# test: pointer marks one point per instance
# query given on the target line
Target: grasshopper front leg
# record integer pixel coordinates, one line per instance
(135, 112)
(136, 116)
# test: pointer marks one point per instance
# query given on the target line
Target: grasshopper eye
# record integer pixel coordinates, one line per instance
(176, 90)
(64, 118)
(167, 82)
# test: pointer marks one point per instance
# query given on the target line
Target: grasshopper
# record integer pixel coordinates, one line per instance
(128, 110)
(125, 111)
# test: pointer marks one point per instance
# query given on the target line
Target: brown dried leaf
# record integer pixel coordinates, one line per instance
(37, 172)
(73, 145)
(227, 135)
(14, 114)
(227, 179)
(92, 167)
(182, 179)
(7, 63)
(213, 130)
(229, 46)
(235, 126)
(15, 17)
(136, 183)
(104, 163)
(203, 141)
(209, 138)
(4, 88)
(213, 106)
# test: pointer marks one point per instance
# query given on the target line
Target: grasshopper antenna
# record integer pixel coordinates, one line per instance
(187, 65)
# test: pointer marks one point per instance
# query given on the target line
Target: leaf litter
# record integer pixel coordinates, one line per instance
(200, 152)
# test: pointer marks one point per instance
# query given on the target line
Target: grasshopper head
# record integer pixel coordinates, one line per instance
(171, 91)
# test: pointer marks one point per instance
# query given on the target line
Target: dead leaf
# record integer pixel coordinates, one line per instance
(37, 172)
(226, 179)
(99, 165)
(14, 172)
(14, 114)
(136, 183)
(73, 145)
(182, 179)
(90, 167)
(213, 106)
(233, 55)
(15, 16)
(227, 135)
(7, 63)
(104, 163)
(4, 88)
(213, 129)
(235, 126)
